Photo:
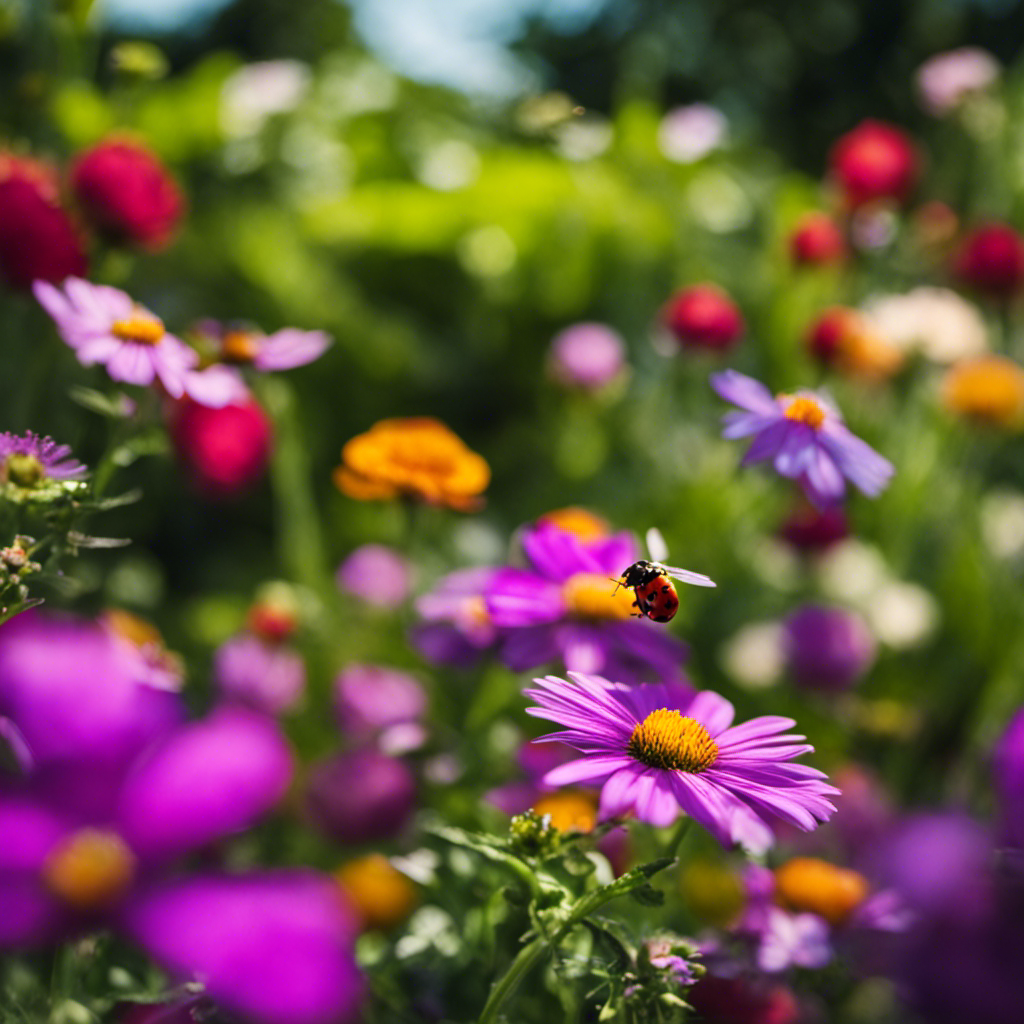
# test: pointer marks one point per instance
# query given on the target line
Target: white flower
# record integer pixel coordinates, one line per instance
(936, 322)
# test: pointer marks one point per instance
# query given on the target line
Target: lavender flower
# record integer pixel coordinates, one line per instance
(660, 754)
(104, 325)
(376, 701)
(265, 676)
(563, 608)
(587, 355)
(804, 436)
(30, 461)
(827, 648)
(282, 350)
(376, 574)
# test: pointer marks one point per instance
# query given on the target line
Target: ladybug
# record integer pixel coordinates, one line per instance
(656, 594)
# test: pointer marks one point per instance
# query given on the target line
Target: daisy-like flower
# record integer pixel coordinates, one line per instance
(417, 458)
(104, 325)
(31, 461)
(248, 346)
(804, 436)
(660, 752)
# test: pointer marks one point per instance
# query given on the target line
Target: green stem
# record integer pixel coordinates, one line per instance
(532, 953)
(302, 544)
(681, 831)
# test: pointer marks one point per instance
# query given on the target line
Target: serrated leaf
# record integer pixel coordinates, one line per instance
(646, 895)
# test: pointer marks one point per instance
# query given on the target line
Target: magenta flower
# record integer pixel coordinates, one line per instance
(565, 608)
(361, 796)
(827, 648)
(104, 325)
(660, 753)
(282, 350)
(457, 626)
(117, 791)
(265, 676)
(804, 436)
(30, 460)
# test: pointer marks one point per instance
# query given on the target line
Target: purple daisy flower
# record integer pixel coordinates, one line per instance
(104, 325)
(282, 350)
(804, 436)
(30, 460)
(660, 752)
(565, 608)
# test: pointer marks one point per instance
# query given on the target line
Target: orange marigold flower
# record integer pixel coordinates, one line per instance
(989, 389)
(417, 458)
(382, 895)
(579, 521)
(571, 810)
(807, 883)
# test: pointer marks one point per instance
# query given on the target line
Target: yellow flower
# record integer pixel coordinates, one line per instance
(806, 883)
(417, 458)
(382, 895)
(989, 389)
(579, 521)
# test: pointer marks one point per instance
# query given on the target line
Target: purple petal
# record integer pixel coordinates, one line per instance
(742, 424)
(822, 482)
(517, 597)
(557, 554)
(133, 364)
(216, 386)
(207, 780)
(715, 713)
(767, 444)
(525, 649)
(291, 347)
(274, 948)
(617, 793)
(868, 471)
(73, 690)
(796, 451)
(745, 392)
(586, 769)
(28, 915)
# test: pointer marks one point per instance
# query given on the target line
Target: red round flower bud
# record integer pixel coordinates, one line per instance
(874, 161)
(814, 530)
(224, 451)
(991, 259)
(827, 336)
(127, 194)
(703, 316)
(38, 241)
(817, 241)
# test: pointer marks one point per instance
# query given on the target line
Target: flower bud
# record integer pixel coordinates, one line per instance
(37, 238)
(703, 316)
(991, 259)
(587, 356)
(874, 161)
(817, 241)
(225, 451)
(127, 194)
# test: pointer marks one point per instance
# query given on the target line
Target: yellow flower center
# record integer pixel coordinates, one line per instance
(383, 896)
(141, 327)
(238, 347)
(667, 739)
(571, 810)
(807, 883)
(803, 409)
(590, 596)
(25, 470)
(90, 869)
